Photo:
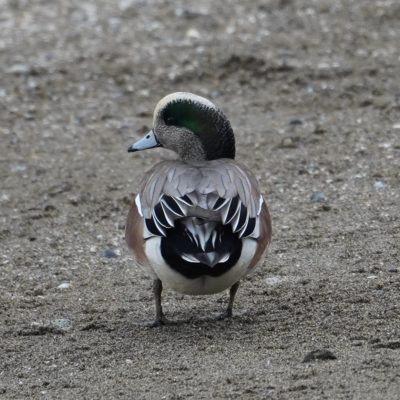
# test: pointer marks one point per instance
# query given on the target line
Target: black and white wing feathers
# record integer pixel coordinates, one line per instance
(221, 190)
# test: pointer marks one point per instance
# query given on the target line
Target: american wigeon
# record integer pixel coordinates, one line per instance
(198, 224)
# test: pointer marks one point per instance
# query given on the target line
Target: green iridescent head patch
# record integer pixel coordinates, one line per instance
(190, 115)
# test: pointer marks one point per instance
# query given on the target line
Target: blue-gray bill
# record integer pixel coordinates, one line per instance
(148, 142)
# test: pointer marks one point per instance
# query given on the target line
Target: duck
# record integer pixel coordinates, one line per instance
(198, 224)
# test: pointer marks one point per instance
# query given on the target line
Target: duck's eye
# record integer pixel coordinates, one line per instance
(170, 120)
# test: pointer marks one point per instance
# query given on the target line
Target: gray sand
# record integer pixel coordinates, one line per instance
(312, 89)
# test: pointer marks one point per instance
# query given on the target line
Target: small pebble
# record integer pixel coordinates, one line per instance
(38, 291)
(19, 167)
(110, 253)
(312, 168)
(393, 270)
(61, 324)
(379, 184)
(74, 200)
(274, 280)
(319, 355)
(296, 121)
(319, 130)
(193, 34)
(4, 198)
(288, 143)
(57, 326)
(318, 197)
(64, 285)
(49, 207)
(19, 69)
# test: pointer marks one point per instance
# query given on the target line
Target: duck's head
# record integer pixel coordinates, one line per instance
(191, 126)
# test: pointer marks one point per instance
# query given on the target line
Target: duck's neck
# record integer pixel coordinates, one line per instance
(213, 141)
(199, 149)
(198, 153)
(221, 144)
(193, 153)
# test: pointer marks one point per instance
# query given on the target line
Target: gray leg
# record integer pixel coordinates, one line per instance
(232, 292)
(157, 289)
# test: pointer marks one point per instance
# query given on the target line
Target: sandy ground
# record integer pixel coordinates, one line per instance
(312, 89)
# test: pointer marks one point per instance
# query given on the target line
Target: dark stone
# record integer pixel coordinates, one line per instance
(110, 253)
(322, 355)
(296, 121)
